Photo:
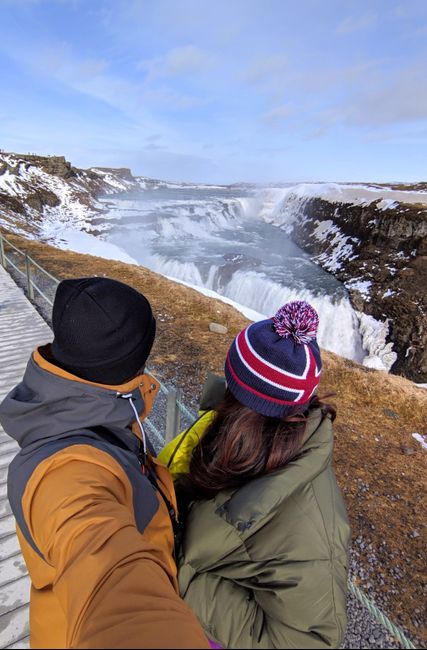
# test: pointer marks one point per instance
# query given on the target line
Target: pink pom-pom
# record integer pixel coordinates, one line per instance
(297, 319)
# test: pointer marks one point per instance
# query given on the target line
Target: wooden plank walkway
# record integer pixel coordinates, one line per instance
(21, 330)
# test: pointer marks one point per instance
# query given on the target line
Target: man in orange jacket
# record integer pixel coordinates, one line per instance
(95, 511)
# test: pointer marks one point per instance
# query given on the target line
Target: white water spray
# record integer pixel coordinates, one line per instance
(338, 327)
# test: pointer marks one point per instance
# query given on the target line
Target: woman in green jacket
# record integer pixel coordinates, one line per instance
(263, 562)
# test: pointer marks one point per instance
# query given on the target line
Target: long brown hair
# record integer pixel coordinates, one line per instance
(240, 445)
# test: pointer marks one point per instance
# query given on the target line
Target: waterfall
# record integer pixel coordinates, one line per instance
(235, 243)
(338, 326)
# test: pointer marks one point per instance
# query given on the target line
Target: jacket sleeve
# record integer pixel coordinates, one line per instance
(112, 583)
(296, 605)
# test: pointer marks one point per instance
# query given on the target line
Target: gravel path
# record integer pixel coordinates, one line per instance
(363, 630)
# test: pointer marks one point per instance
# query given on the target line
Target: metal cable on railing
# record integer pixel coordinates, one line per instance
(174, 406)
(184, 410)
(6, 260)
(49, 275)
(159, 438)
(13, 265)
(380, 616)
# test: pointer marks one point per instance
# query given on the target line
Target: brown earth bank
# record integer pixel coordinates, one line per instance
(389, 251)
(379, 465)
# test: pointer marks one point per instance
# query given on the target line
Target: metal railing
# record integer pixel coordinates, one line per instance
(37, 282)
(29, 277)
(174, 409)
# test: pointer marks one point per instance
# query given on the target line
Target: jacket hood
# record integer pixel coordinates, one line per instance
(49, 403)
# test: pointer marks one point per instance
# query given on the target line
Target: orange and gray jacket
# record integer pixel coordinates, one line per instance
(95, 532)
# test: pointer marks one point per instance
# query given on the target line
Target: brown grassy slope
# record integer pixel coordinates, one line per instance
(383, 486)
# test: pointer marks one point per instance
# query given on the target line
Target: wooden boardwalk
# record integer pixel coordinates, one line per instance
(21, 330)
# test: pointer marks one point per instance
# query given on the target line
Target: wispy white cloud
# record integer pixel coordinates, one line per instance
(163, 97)
(179, 61)
(265, 69)
(370, 93)
(340, 78)
(133, 97)
(421, 30)
(152, 146)
(155, 137)
(211, 23)
(357, 23)
(277, 114)
(406, 10)
(397, 135)
(399, 98)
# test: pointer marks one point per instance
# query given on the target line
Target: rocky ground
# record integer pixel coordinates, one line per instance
(379, 465)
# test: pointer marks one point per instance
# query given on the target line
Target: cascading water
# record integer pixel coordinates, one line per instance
(221, 239)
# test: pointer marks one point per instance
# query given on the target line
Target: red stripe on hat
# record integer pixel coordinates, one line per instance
(256, 392)
(281, 377)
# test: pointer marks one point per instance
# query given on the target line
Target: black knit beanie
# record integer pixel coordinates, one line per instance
(104, 329)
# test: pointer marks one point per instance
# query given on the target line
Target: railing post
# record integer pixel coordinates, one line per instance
(2, 255)
(29, 284)
(172, 415)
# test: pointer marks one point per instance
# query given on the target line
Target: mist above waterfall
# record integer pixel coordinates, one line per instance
(220, 239)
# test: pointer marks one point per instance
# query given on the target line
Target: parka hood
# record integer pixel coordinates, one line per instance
(50, 403)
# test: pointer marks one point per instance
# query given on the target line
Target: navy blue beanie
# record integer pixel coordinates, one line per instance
(274, 365)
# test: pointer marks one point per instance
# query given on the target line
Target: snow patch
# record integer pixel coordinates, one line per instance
(392, 269)
(421, 439)
(339, 248)
(389, 293)
(387, 204)
(81, 242)
(332, 260)
(380, 354)
(323, 229)
(361, 194)
(362, 286)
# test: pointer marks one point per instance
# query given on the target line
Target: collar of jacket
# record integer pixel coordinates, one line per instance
(250, 506)
(50, 402)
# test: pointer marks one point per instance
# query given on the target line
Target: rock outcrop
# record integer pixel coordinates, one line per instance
(55, 165)
(35, 188)
(379, 251)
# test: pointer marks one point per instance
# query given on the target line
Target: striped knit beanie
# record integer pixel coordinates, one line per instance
(274, 365)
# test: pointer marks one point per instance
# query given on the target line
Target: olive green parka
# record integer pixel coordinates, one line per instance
(265, 566)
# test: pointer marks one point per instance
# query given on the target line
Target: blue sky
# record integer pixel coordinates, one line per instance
(219, 90)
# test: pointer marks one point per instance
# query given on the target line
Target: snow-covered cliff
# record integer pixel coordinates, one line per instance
(373, 239)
